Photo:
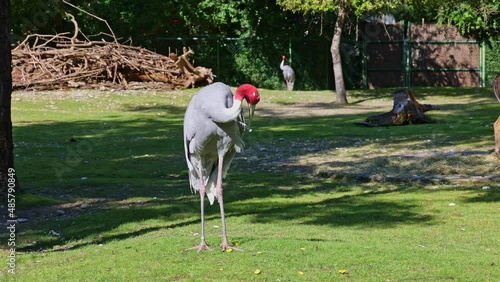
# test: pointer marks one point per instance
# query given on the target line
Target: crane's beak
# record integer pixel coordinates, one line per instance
(251, 109)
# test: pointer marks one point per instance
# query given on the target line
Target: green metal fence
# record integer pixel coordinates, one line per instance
(429, 55)
(371, 62)
(237, 60)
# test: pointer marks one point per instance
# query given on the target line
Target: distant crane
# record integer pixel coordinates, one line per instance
(213, 130)
(288, 74)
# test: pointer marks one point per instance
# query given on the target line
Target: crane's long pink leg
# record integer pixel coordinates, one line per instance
(203, 245)
(225, 245)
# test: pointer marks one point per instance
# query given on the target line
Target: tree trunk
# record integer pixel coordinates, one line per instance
(406, 110)
(6, 146)
(336, 59)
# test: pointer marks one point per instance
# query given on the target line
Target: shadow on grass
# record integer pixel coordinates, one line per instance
(98, 226)
(139, 156)
(428, 92)
(362, 210)
(491, 195)
(259, 205)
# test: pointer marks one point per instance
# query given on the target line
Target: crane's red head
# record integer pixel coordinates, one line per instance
(283, 58)
(249, 93)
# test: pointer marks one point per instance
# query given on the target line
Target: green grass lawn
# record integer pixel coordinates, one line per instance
(312, 195)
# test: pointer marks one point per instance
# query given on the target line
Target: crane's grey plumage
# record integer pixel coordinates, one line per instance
(209, 133)
(288, 74)
(213, 130)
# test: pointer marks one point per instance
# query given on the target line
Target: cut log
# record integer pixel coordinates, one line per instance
(406, 110)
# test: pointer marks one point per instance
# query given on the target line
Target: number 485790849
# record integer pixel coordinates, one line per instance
(11, 189)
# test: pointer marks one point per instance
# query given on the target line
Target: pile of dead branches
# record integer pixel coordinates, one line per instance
(63, 61)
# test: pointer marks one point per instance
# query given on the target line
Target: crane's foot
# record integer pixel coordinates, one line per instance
(225, 248)
(201, 247)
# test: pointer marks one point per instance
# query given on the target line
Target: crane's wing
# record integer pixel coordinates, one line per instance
(230, 142)
(189, 135)
(203, 133)
(288, 73)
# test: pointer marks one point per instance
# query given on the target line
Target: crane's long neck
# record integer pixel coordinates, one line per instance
(232, 113)
(282, 66)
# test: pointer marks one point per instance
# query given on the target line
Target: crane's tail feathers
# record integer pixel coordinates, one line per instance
(210, 190)
(194, 182)
(210, 174)
(210, 185)
(209, 180)
(211, 197)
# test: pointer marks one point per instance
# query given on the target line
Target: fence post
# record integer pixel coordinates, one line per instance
(406, 53)
(290, 49)
(482, 64)
(327, 66)
(364, 62)
(218, 56)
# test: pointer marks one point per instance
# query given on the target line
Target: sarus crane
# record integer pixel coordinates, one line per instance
(288, 74)
(214, 124)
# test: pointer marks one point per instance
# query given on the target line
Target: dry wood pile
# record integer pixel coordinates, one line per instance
(63, 61)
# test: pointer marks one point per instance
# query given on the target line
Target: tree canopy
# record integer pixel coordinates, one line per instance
(243, 18)
(478, 18)
(265, 25)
